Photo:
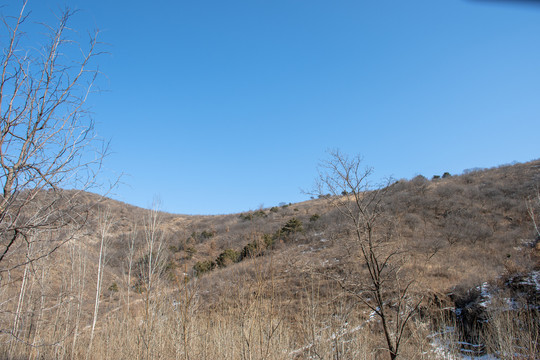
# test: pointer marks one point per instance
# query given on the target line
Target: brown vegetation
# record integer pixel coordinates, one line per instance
(299, 296)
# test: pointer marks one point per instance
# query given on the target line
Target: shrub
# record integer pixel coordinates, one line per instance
(251, 216)
(197, 237)
(446, 175)
(274, 209)
(245, 217)
(314, 217)
(202, 267)
(252, 249)
(256, 248)
(113, 287)
(207, 234)
(259, 213)
(292, 226)
(227, 257)
(269, 240)
(420, 179)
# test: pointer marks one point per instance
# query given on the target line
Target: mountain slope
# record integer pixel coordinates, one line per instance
(286, 282)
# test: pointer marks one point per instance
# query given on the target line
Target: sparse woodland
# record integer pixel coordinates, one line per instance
(413, 268)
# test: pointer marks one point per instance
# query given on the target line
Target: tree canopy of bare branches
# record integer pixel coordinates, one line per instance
(47, 138)
(361, 203)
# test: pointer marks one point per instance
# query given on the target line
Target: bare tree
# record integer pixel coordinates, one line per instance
(152, 265)
(361, 203)
(47, 139)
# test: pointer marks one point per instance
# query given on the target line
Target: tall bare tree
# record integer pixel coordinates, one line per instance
(152, 265)
(361, 203)
(47, 139)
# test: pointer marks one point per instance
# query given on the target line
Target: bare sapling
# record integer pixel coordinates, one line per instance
(151, 268)
(386, 292)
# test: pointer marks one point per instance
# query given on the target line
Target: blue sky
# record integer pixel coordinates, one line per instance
(223, 106)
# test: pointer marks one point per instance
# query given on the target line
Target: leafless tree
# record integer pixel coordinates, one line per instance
(361, 203)
(47, 139)
(152, 265)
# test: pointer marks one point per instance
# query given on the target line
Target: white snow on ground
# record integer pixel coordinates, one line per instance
(442, 347)
(535, 275)
(442, 351)
(481, 357)
(485, 293)
(532, 280)
(336, 335)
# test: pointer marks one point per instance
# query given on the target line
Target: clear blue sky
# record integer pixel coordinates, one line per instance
(222, 106)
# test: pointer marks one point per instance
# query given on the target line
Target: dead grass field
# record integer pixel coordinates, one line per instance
(287, 300)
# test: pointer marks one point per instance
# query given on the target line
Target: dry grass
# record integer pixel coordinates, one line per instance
(459, 232)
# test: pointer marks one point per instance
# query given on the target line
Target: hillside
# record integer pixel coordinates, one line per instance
(462, 230)
(293, 281)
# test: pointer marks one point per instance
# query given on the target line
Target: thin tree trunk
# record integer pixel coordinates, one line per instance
(105, 223)
(81, 286)
(16, 320)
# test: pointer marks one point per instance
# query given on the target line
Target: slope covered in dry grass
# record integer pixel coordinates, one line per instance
(285, 282)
